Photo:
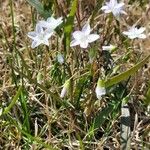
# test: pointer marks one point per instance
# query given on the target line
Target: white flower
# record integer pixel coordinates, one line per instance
(100, 89)
(51, 23)
(60, 58)
(65, 89)
(109, 48)
(135, 32)
(83, 37)
(39, 36)
(114, 7)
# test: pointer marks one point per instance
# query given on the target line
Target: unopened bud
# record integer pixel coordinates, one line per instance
(100, 89)
(65, 89)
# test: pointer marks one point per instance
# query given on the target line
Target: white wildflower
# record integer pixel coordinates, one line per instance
(135, 32)
(83, 37)
(39, 36)
(114, 7)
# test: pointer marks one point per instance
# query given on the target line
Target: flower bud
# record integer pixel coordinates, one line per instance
(100, 89)
(65, 89)
(60, 58)
(110, 48)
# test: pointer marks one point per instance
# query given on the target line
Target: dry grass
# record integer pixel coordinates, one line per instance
(40, 119)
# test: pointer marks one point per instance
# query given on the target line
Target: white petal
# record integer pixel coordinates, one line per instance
(123, 12)
(104, 8)
(32, 35)
(108, 11)
(100, 91)
(141, 30)
(142, 36)
(120, 5)
(53, 23)
(48, 34)
(126, 33)
(113, 3)
(86, 29)
(63, 92)
(77, 35)
(59, 21)
(51, 19)
(74, 43)
(60, 58)
(35, 44)
(93, 37)
(132, 36)
(46, 42)
(43, 23)
(84, 44)
(38, 29)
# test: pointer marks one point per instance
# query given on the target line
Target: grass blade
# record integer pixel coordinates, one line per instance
(125, 75)
(14, 100)
(70, 22)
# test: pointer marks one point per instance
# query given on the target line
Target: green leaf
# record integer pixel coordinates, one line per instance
(100, 119)
(70, 22)
(147, 97)
(39, 7)
(125, 75)
(14, 100)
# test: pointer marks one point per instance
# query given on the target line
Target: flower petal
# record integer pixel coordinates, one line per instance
(104, 7)
(141, 30)
(35, 44)
(142, 36)
(77, 35)
(132, 36)
(48, 34)
(43, 24)
(74, 43)
(126, 33)
(84, 44)
(32, 35)
(50, 19)
(92, 37)
(46, 42)
(38, 28)
(119, 5)
(86, 29)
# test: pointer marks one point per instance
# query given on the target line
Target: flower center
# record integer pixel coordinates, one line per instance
(41, 36)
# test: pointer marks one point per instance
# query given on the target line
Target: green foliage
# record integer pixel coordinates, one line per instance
(125, 75)
(40, 8)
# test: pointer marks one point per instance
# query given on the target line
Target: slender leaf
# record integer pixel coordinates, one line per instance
(125, 75)
(101, 118)
(14, 100)
(70, 22)
(39, 7)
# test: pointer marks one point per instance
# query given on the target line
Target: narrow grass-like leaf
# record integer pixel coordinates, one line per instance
(14, 100)
(38, 140)
(39, 7)
(125, 75)
(100, 119)
(70, 22)
(26, 121)
(147, 97)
